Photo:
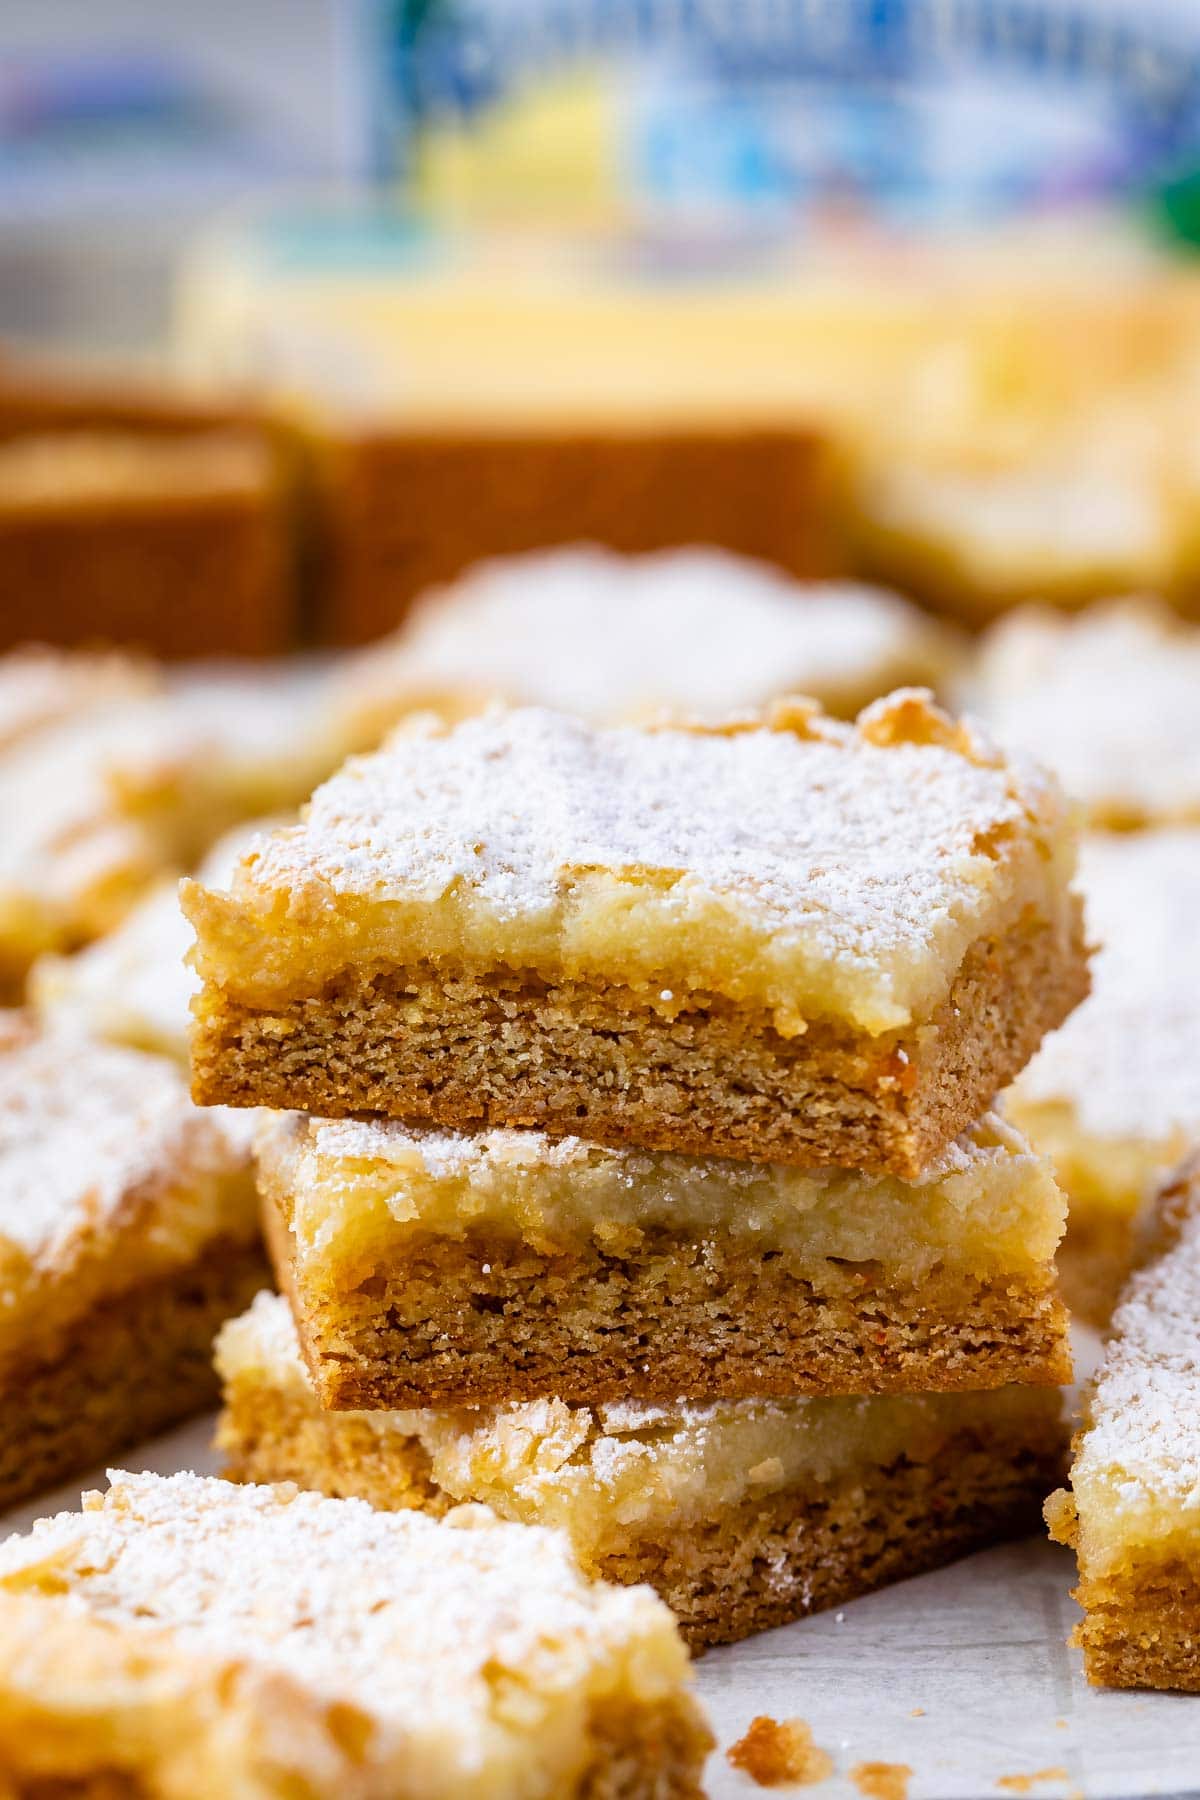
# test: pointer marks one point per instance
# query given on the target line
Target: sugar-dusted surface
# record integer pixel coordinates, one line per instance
(89, 1132)
(611, 637)
(815, 867)
(987, 1202)
(1127, 1063)
(1107, 700)
(472, 1654)
(1136, 1477)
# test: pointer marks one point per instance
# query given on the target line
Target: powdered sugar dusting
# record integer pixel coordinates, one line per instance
(1108, 700)
(835, 846)
(610, 637)
(87, 1130)
(415, 1622)
(1128, 1061)
(1144, 1436)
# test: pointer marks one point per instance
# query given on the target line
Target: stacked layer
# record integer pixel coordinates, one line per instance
(679, 1046)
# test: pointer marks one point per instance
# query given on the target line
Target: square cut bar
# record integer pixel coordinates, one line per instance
(128, 1233)
(1113, 1097)
(1131, 1514)
(788, 940)
(436, 1268)
(742, 1514)
(261, 1642)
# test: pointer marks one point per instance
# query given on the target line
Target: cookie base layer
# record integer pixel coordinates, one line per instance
(484, 1319)
(140, 1362)
(1141, 1627)
(741, 1570)
(608, 1063)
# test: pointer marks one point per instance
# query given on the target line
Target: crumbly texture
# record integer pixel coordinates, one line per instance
(780, 1754)
(1135, 1481)
(741, 1514)
(128, 1233)
(67, 1412)
(882, 1780)
(417, 1284)
(1107, 700)
(818, 870)
(760, 492)
(269, 1642)
(693, 633)
(1112, 1096)
(698, 1074)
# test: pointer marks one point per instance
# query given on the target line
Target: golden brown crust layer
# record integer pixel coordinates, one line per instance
(584, 1058)
(740, 1571)
(485, 1319)
(763, 493)
(138, 1363)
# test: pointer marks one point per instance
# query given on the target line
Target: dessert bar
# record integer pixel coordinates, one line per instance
(785, 939)
(1131, 1510)
(1113, 1096)
(742, 1514)
(1108, 700)
(437, 1268)
(128, 1233)
(134, 985)
(689, 633)
(257, 1641)
(96, 808)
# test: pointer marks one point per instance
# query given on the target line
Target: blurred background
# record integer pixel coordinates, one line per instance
(901, 289)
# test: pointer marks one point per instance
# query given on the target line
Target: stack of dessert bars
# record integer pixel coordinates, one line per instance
(631, 1165)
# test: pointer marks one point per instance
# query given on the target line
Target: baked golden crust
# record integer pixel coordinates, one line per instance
(66, 1412)
(265, 1642)
(700, 1075)
(741, 1514)
(435, 1268)
(1130, 1512)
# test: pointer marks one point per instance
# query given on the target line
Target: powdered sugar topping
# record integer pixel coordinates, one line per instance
(417, 1623)
(1128, 1061)
(1144, 1436)
(88, 1132)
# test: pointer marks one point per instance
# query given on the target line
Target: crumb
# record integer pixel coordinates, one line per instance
(918, 1712)
(881, 1781)
(1021, 1784)
(780, 1755)
(1060, 1724)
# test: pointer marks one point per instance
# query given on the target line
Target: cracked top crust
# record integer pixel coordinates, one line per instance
(787, 860)
(369, 1653)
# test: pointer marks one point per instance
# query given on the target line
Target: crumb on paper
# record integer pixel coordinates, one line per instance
(881, 1781)
(918, 1712)
(776, 1754)
(1021, 1784)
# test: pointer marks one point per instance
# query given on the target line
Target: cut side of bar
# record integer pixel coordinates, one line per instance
(742, 1514)
(128, 1233)
(1131, 1512)
(439, 1269)
(787, 940)
(260, 1641)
